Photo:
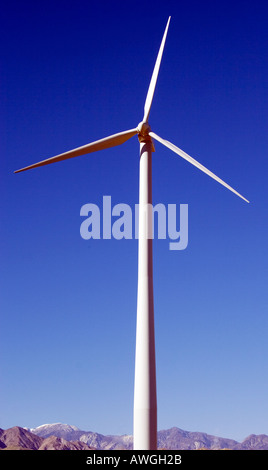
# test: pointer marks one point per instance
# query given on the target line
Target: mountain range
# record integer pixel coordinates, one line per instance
(59, 436)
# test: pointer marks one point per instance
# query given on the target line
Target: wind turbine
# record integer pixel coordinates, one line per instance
(145, 401)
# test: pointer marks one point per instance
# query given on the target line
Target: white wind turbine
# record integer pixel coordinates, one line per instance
(145, 403)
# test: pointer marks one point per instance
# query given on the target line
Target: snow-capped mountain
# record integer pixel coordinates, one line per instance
(92, 439)
(66, 431)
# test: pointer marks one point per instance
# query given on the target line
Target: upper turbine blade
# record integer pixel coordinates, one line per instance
(150, 93)
(107, 142)
(194, 162)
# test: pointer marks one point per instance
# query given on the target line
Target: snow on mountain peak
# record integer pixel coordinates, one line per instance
(46, 430)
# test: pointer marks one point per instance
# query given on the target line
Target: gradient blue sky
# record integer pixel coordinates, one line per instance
(74, 72)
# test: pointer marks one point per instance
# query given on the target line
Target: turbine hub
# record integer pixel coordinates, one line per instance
(143, 129)
(143, 133)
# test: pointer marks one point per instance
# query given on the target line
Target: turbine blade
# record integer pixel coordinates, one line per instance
(150, 93)
(107, 142)
(194, 162)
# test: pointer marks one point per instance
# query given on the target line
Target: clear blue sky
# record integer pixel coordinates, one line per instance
(74, 72)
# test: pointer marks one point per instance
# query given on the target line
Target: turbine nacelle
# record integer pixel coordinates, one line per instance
(143, 129)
